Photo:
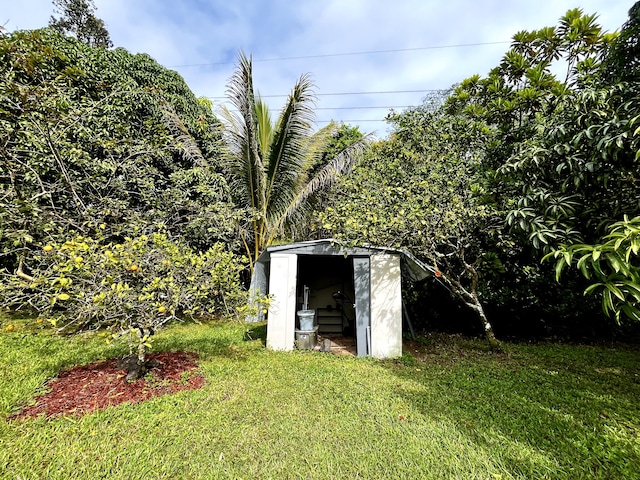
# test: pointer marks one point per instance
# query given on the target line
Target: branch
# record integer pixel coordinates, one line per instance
(471, 271)
(20, 272)
(60, 163)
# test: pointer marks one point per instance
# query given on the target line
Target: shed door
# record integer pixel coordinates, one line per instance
(362, 290)
(282, 311)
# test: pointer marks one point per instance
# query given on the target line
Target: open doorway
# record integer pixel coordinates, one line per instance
(330, 283)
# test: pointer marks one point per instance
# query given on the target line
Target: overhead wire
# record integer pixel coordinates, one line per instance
(364, 107)
(344, 54)
(351, 93)
(352, 108)
(385, 107)
(348, 121)
(370, 52)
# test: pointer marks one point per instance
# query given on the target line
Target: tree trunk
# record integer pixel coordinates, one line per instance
(142, 352)
(136, 364)
(470, 298)
(495, 344)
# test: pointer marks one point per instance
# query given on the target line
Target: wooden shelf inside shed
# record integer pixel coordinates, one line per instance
(330, 320)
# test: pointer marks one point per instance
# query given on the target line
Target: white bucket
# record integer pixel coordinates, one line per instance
(305, 318)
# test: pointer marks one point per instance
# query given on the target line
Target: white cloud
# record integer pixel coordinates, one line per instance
(212, 31)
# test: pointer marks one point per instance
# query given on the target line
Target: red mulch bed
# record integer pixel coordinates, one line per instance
(98, 385)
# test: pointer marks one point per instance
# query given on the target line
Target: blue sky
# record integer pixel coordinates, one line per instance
(200, 40)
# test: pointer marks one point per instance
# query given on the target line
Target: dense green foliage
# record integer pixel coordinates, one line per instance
(564, 149)
(614, 264)
(105, 145)
(480, 183)
(131, 289)
(103, 137)
(510, 167)
(417, 190)
(447, 409)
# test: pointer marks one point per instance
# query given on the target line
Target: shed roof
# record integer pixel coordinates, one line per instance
(411, 266)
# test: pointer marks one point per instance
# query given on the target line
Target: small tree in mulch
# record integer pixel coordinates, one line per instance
(127, 290)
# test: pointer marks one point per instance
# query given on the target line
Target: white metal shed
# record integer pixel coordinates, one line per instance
(368, 278)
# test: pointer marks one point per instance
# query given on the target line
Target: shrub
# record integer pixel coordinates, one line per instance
(128, 289)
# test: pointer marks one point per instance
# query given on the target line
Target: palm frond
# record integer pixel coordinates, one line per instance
(185, 141)
(327, 176)
(288, 153)
(316, 144)
(246, 165)
(270, 166)
(264, 125)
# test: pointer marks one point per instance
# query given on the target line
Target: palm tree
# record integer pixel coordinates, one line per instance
(270, 163)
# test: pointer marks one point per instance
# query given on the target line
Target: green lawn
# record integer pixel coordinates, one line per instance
(447, 409)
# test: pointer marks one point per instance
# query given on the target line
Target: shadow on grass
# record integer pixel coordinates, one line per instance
(43, 355)
(257, 332)
(213, 339)
(548, 411)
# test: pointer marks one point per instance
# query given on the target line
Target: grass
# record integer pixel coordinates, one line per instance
(446, 409)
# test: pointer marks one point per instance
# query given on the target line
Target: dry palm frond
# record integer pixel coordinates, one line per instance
(185, 141)
(327, 176)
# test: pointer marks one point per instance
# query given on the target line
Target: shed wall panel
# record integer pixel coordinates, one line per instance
(386, 306)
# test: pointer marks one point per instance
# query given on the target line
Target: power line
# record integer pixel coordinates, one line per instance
(354, 93)
(326, 55)
(362, 108)
(353, 108)
(347, 121)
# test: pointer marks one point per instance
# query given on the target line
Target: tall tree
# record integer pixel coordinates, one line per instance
(93, 137)
(100, 150)
(77, 18)
(600, 141)
(418, 191)
(517, 100)
(272, 165)
(556, 162)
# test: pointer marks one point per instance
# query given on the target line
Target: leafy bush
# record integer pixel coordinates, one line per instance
(129, 289)
(613, 263)
(94, 136)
